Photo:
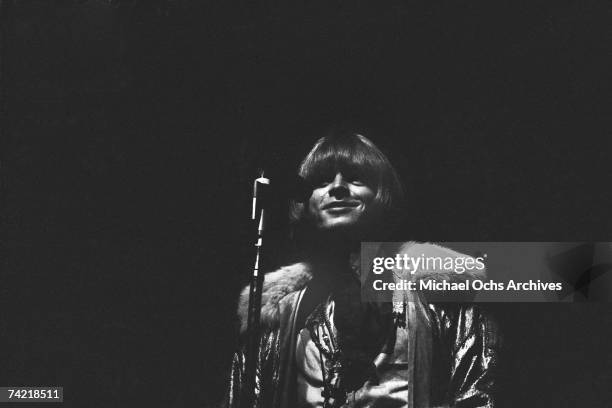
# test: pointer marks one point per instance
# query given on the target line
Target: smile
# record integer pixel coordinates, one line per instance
(341, 205)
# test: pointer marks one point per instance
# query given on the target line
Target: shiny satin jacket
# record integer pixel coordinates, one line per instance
(452, 347)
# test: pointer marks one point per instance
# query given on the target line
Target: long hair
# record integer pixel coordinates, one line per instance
(354, 155)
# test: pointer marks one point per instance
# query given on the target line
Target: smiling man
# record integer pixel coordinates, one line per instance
(341, 200)
(354, 189)
(320, 345)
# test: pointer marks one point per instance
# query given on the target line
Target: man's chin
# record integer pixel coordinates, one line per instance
(340, 224)
(345, 228)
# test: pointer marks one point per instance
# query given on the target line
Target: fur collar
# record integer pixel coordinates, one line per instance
(276, 286)
(292, 278)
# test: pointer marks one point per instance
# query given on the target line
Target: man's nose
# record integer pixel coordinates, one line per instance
(339, 187)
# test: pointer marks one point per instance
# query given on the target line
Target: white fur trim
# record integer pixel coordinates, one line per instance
(292, 278)
(276, 286)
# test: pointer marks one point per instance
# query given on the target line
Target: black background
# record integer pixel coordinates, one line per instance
(132, 130)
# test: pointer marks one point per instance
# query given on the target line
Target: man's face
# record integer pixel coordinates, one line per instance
(341, 202)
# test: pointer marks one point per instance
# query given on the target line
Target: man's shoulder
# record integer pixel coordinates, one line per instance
(277, 286)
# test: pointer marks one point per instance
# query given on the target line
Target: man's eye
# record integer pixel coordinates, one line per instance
(357, 182)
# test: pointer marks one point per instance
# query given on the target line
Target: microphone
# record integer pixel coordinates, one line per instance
(279, 187)
(260, 187)
(269, 193)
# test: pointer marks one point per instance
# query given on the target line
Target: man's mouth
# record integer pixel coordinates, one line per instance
(341, 204)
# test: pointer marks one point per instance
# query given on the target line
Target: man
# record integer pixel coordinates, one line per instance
(320, 345)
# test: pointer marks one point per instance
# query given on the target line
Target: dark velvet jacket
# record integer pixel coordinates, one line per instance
(452, 346)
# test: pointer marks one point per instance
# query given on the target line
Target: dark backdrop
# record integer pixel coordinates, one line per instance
(131, 132)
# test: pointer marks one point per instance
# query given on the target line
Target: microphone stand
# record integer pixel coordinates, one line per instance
(260, 200)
